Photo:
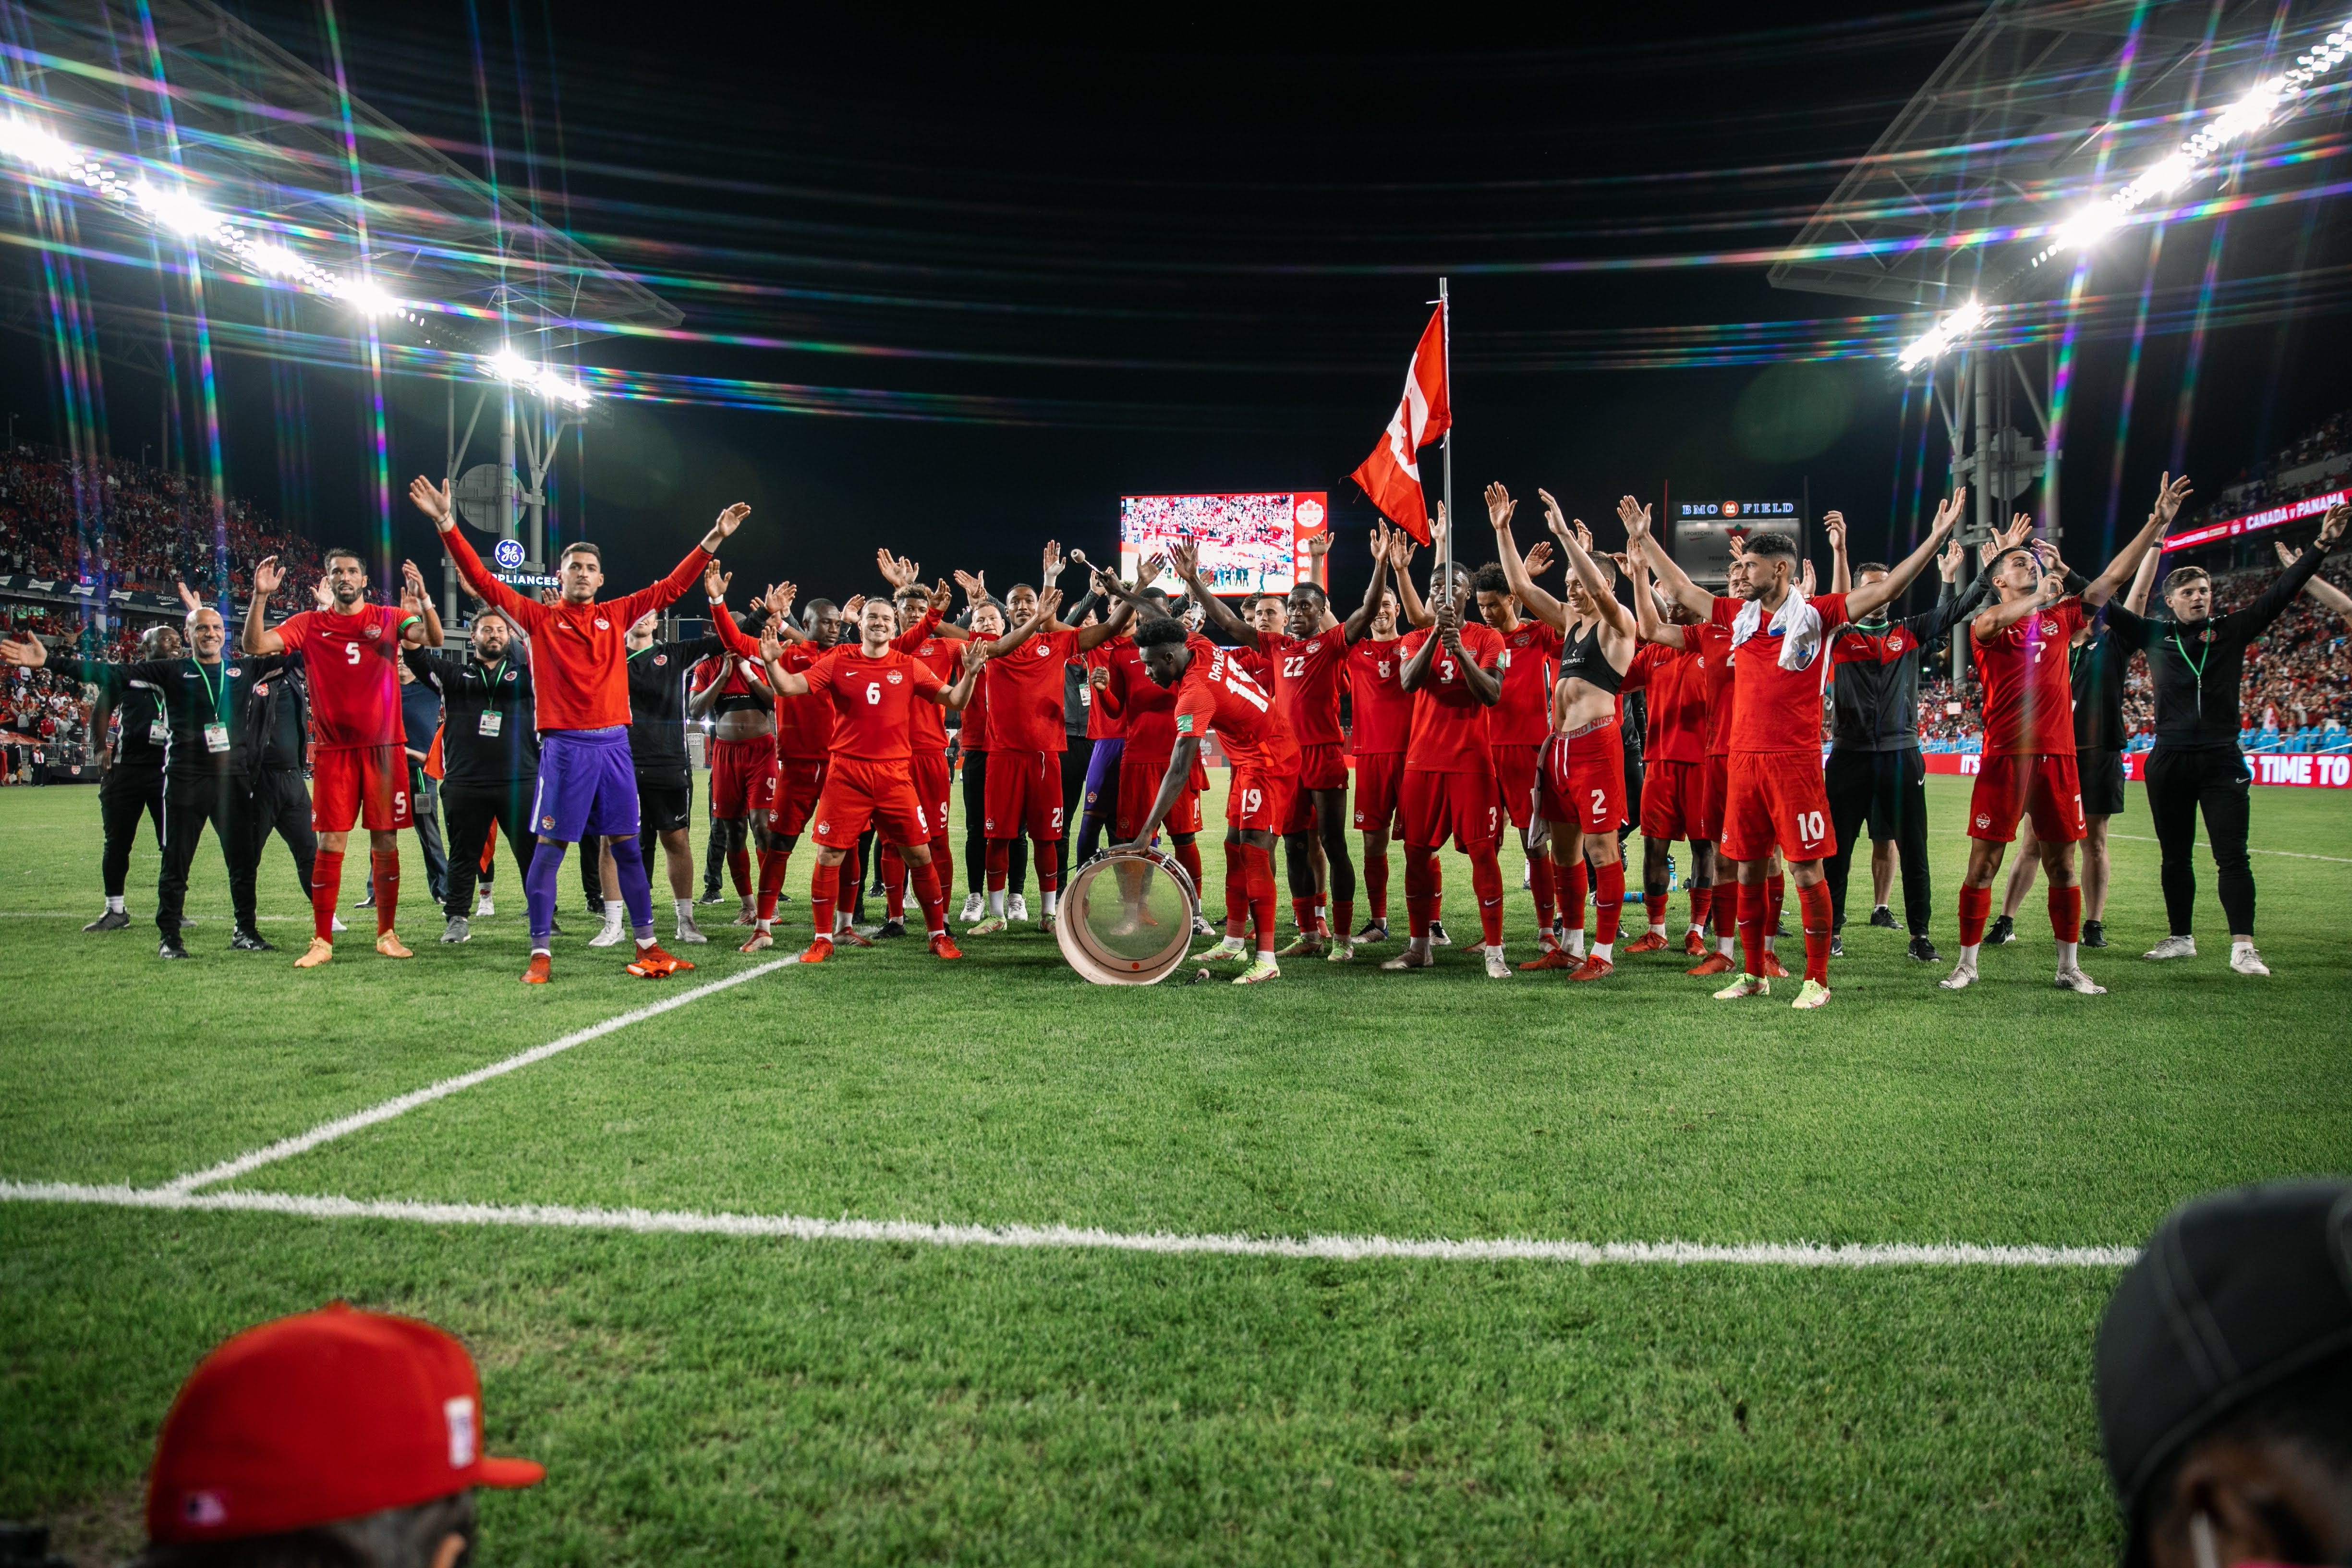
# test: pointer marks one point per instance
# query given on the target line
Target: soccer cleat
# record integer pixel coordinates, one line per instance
(2246, 961)
(1016, 909)
(1883, 918)
(1962, 977)
(247, 940)
(1201, 926)
(2001, 932)
(365, 900)
(1342, 952)
(988, 927)
(890, 929)
(1694, 943)
(1045, 924)
(1526, 876)
(608, 937)
(1498, 966)
(818, 951)
(1745, 986)
(1773, 968)
(943, 946)
(1812, 994)
(2173, 947)
(850, 936)
(1260, 971)
(974, 906)
(335, 923)
(1374, 930)
(1925, 951)
(1233, 950)
(1129, 923)
(540, 972)
(170, 948)
(1437, 937)
(1837, 945)
(1593, 968)
(653, 963)
(759, 941)
(1648, 942)
(112, 919)
(457, 930)
(1779, 928)
(389, 944)
(1713, 964)
(484, 907)
(690, 934)
(1408, 958)
(318, 952)
(711, 895)
(2081, 985)
(1551, 957)
(1308, 945)
(2094, 933)
(748, 915)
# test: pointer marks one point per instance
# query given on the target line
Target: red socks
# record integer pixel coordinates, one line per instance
(1376, 885)
(1303, 911)
(1237, 890)
(1572, 897)
(1814, 906)
(926, 877)
(1702, 900)
(385, 863)
(894, 881)
(1612, 900)
(326, 887)
(999, 859)
(1543, 881)
(772, 863)
(943, 867)
(1486, 883)
(1420, 889)
(1261, 899)
(739, 867)
(1654, 906)
(1752, 927)
(1188, 854)
(1976, 903)
(2065, 911)
(825, 885)
(1045, 854)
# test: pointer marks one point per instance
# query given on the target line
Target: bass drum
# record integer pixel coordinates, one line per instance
(1127, 918)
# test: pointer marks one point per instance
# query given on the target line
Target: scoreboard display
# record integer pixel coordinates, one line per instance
(1704, 531)
(1253, 543)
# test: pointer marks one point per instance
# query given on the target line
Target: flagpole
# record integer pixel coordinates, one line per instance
(1445, 318)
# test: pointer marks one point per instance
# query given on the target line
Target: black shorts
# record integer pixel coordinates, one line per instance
(2101, 775)
(665, 800)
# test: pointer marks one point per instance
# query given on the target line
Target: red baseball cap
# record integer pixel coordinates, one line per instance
(325, 1416)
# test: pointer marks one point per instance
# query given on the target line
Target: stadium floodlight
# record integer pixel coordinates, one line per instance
(36, 144)
(367, 297)
(1943, 335)
(177, 210)
(510, 367)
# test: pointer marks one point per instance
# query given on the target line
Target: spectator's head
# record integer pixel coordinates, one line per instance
(2224, 1382)
(2188, 593)
(1303, 611)
(1771, 560)
(346, 578)
(159, 642)
(337, 1437)
(580, 570)
(491, 635)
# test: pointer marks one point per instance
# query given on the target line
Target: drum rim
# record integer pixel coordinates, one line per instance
(1099, 967)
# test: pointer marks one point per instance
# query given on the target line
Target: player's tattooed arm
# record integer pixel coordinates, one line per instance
(1539, 603)
(1171, 784)
(1412, 610)
(1887, 589)
(1648, 619)
(1672, 581)
(1615, 616)
(1483, 682)
(1361, 618)
(1186, 556)
(257, 638)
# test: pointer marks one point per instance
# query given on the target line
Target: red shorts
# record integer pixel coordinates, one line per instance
(857, 793)
(1776, 798)
(2009, 787)
(931, 789)
(1024, 796)
(1462, 808)
(743, 776)
(1515, 780)
(367, 784)
(1584, 778)
(1714, 784)
(1257, 800)
(794, 787)
(1378, 777)
(1322, 767)
(1673, 802)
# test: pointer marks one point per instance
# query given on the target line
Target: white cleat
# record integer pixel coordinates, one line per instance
(484, 908)
(974, 906)
(1016, 909)
(337, 925)
(1745, 986)
(988, 927)
(2173, 947)
(1498, 966)
(2081, 985)
(2246, 961)
(690, 934)
(610, 936)
(1342, 952)
(1962, 977)
(1200, 927)
(1260, 971)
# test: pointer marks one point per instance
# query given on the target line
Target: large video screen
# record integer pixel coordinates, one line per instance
(1249, 543)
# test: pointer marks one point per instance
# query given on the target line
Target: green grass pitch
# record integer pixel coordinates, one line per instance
(730, 1399)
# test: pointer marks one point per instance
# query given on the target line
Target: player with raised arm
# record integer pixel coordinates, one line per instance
(1148, 711)
(350, 656)
(587, 785)
(937, 645)
(1521, 723)
(1774, 794)
(1382, 711)
(2319, 590)
(872, 686)
(2020, 644)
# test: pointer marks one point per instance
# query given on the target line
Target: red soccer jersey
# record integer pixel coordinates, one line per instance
(1530, 656)
(1150, 713)
(1307, 682)
(2029, 699)
(926, 722)
(804, 724)
(353, 663)
(1383, 707)
(1450, 733)
(1024, 697)
(1677, 702)
(1102, 724)
(1712, 657)
(873, 701)
(1217, 693)
(975, 714)
(579, 652)
(1778, 709)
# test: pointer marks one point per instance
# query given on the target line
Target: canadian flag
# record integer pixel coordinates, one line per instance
(1391, 475)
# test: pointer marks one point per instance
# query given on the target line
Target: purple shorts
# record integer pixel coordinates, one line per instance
(1102, 776)
(587, 785)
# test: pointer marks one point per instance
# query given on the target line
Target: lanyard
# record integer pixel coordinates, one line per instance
(2197, 670)
(215, 693)
(494, 677)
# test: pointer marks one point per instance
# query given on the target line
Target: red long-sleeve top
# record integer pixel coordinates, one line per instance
(579, 652)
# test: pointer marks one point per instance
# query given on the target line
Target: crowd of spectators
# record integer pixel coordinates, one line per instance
(123, 525)
(2259, 486)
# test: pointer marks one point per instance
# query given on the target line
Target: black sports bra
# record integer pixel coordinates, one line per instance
(1582, 658)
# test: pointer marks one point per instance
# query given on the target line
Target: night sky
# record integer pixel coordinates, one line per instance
(1197, 261)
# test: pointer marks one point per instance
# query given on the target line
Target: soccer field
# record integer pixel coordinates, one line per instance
(1184, 1372)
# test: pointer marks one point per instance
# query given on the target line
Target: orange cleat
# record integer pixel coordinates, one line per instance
(1713, 964)
(943, 946)
(542, 970)
(390, 946)
(1593, 968)
(653, 963)
(1773, 968)
(320, 951)
(818, 951)
(1648, 942)
(760, 943)
(1695, 942)
(1551, 958)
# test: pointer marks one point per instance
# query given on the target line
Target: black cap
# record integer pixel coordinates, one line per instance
(2236, 1292)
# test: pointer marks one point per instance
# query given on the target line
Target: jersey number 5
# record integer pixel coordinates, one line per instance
(350, 653)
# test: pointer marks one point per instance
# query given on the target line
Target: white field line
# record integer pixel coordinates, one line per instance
(326, 1132)
(794, 1227)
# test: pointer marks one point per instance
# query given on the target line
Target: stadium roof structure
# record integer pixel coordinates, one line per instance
(2040, 106)
(258, 134)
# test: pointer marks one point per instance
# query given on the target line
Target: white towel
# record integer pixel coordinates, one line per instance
(1798, 624)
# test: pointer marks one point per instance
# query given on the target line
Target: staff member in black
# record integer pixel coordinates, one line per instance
(489, 754)
(2196, 661)
(658, 672)
(131, 783)
(267, 734)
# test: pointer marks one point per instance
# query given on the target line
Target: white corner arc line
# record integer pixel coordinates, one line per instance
(326, 1132)
(1351, 1248)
